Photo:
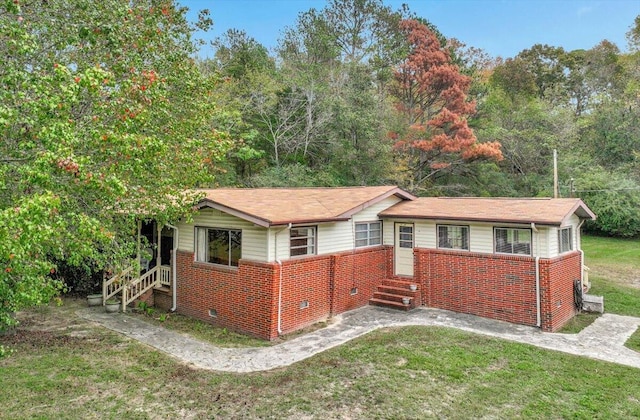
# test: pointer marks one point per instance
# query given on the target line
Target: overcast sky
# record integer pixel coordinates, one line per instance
(500, 27)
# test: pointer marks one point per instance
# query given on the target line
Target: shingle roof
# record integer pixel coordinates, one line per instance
(544, 211)
(280, 206)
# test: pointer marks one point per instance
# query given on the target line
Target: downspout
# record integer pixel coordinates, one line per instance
(579, 246)
(174, 257)
(280, 281)
(537, 262)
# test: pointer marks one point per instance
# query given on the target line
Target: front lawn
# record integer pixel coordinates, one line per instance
(65, 367)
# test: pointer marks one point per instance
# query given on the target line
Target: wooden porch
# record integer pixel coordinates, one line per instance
(131, 288)
(137, 279)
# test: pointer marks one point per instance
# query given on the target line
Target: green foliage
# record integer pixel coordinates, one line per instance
(614, 198)
(144, 308)
(294, 175)
(103, 115)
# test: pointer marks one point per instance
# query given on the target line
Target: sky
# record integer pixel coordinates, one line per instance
(500, 27)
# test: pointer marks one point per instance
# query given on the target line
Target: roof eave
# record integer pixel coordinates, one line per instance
(208, 203)
(473, 219)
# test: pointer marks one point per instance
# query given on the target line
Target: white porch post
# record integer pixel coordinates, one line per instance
(159, 254)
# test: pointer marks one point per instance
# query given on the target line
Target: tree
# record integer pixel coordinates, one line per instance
(90, 95)
(431, 95)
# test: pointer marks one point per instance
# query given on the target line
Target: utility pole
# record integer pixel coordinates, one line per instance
(555, 173)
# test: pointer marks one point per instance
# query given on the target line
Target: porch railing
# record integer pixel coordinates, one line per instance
(165, 275)
(131, 287)
(116, 284)
(137, 287)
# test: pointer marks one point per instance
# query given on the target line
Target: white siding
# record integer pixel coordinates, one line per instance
(480, 235)
(481, 238)
(254, 238)
(552, 241)
(335, 237)
(338, 236)
(425, 234)
(370, 214)
(388, 231)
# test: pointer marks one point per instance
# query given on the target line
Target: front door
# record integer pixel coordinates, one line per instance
(403, 249)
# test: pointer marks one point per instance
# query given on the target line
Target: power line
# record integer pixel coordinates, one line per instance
(610, 190)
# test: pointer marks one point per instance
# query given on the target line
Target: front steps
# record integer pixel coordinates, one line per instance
(393, 293)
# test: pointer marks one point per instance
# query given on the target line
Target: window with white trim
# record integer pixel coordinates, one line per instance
(368, 233)
(302, 241)
(218, 246)
(565, 239)
(512, 241)
(453, 237)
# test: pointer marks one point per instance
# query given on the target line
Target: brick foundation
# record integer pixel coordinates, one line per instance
(557, 276)
(499, 287)
(245, 299)
(239, 299)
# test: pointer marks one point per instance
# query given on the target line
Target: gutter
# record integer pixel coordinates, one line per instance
(537, 263)
(174, 256)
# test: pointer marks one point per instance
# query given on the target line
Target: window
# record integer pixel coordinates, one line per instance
(302, 241)
(405, 236)
(218, 246)
(453, 237)
(368, 234)
(565, 239)
(512, 241)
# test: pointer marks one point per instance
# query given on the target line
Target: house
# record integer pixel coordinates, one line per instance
(267, 262)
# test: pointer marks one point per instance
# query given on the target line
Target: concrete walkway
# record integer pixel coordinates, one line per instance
(602, 340)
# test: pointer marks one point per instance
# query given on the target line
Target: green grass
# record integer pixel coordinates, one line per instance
(221, 337)
(611, 251)
(618, 299)
(85, 371)
(634, 341)
(615, 272)
(579, 322)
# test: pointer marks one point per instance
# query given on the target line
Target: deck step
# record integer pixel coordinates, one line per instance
(162, 289)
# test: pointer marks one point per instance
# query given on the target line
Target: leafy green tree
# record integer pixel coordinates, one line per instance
(614, 198)
(103, 115)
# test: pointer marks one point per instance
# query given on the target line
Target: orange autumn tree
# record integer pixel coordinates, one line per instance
(432, 97)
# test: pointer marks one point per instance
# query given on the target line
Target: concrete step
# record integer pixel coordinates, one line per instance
(391, 297)
(397, 291)
(389, 304)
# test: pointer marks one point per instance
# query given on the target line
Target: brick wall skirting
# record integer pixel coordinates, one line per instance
(498, 286)
(556, 283)
(245, 299)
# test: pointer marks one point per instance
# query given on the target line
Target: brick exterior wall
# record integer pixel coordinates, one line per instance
(556, 283)
(246, 299)
(498, 286)
(242, 298)
(492, 286)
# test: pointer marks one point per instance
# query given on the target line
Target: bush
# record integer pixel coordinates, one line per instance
(83, 279)
(615, 200)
